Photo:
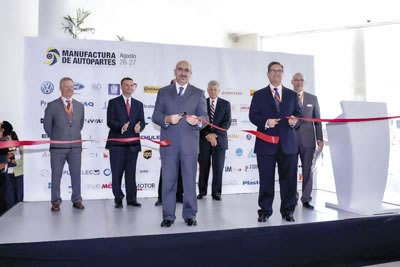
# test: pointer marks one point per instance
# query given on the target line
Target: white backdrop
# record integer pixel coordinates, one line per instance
(97, 76)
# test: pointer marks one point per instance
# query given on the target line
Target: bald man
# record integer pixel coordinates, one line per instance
(309, 135)
(177, 111)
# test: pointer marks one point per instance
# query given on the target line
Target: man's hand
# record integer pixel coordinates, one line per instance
(320, 144)
(173, 119)
(292, 121)
(272, 122)
(192, 120)
(137, 127)
(125, 127)
(212, 139)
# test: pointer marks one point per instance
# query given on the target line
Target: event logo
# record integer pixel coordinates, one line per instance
(52, 55)
(239, 152)
(151, 89)
(78, 86)
(114, 88)
(147, 154)
(47, 87)
(83, 57)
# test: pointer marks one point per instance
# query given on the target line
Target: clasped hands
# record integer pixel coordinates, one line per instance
(273, 122)
(175, 118)
(136, 128)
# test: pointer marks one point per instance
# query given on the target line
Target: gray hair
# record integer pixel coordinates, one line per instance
(213, 83)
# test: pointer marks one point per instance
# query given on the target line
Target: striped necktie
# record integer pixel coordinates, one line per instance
(212, 111)
(277, 99)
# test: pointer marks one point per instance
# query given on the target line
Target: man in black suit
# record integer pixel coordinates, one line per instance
(269, 110)
(214, 142)
(125, 118)
(308, 135)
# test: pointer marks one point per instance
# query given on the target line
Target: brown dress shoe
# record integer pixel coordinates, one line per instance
(55, 207)
(78, 205)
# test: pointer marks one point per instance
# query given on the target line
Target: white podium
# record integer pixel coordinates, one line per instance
(360, 158)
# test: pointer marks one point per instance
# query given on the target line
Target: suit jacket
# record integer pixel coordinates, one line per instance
(263, 108)
(308, 130)
(117, 116)
(57, 125)
(183, 136)
(222, 118)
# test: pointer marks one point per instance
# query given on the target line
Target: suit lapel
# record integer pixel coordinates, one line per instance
(270, 98)
(285, 98)
(63, 111)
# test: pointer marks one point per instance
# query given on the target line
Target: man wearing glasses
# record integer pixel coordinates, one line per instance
(178, 110)
(269, 110)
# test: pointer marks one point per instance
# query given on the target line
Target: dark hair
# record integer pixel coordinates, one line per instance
(7, 128)
(274, 63)
(126, 79)
(14, 136)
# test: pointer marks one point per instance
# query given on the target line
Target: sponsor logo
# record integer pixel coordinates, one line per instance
(88, 104)
(234, 122)
(252, 154)
(151, 137)
(78, 86)
(147, 154)
(233, 136)
(142, 171)
(83, 172)
(41, 120)
(146, 186)
(252, 91)
(107, 172)
(148, 120)
(45, 173)
(87, 154)
(249, 137)
(149, 106)
(45, 136)
(46, 154)
(96, 87)
(105, 105)
(114, 88)
(151, 89)
(47, 87)
(250, 167)
(239, 152)
(245, 121)
(247, 182)
(232, 169)
(244, 108)
(93, 121)
(231, 92)
(43, 103)
(52, 56)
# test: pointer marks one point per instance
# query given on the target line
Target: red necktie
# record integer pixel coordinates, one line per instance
(128, 107)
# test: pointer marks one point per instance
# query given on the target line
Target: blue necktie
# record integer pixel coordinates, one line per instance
(180, 91)
(277, 99)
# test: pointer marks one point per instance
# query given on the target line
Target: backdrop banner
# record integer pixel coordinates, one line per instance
(97, 68)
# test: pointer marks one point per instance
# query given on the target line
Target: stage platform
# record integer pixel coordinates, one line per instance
(227, 234)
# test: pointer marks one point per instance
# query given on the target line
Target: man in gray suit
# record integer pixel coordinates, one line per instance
(177, 111)
(63, 121)
(308, 134)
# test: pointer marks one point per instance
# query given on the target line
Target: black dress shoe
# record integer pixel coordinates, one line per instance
(134, 203)
(78, 205)
(217, 197)
(200, 196)
(288, 217)
(166, 223)
(262, 218)
(191, 222)
(307, 205)
(158, 203)
(118, 205)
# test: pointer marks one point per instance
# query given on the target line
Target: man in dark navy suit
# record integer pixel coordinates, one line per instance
(214, 142)
(125, 118)
(269, 110)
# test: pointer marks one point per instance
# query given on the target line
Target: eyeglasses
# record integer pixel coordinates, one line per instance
(183, 70)
(276, 71)
(298, 80)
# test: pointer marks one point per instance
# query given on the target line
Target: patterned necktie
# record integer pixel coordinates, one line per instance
(212, 111)
(301, 100)
(128, 107)
(277, 99)
(68, 109)
(180, 91)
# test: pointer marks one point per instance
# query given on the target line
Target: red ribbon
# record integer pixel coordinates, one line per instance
(340, 120)
(265, 137)
(14, 143)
